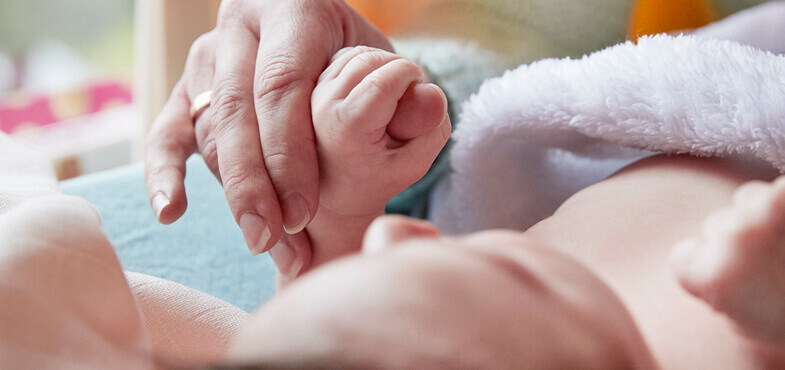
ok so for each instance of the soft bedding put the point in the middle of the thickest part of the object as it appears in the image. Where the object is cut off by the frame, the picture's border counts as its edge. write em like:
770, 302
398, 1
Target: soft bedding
65, 297
204, 250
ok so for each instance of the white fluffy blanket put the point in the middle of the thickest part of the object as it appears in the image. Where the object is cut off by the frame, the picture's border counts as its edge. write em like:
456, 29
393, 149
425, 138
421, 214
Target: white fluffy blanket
536, 135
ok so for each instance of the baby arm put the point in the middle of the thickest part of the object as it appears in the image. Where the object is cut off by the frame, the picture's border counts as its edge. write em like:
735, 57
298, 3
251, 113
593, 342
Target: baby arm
378, 128
736, 264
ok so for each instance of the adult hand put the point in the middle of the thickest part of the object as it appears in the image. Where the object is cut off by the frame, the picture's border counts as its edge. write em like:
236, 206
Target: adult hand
262, 62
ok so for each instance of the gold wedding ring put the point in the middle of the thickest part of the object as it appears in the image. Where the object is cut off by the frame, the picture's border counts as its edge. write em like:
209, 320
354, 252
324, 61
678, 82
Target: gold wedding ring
200, 103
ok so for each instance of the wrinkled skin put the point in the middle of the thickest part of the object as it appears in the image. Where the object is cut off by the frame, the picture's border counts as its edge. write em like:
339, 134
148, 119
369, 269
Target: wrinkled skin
262, 61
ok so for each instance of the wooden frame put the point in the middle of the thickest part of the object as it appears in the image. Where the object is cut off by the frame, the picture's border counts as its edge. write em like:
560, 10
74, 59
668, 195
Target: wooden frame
164, 32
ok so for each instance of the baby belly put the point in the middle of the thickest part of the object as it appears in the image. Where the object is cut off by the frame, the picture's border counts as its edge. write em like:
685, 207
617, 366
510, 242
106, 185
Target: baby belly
624, 229
682, 331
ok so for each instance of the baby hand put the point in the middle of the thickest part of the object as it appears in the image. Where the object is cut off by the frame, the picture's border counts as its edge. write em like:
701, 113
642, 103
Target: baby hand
378, 127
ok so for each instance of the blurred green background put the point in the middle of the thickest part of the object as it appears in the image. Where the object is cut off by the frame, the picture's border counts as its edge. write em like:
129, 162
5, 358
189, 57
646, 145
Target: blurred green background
101, 31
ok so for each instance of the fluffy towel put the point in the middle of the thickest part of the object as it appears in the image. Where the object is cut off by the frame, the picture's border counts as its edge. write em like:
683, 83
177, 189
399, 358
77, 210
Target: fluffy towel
533, 137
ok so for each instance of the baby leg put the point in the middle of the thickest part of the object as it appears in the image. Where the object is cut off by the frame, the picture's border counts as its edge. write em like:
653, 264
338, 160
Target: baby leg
737, 263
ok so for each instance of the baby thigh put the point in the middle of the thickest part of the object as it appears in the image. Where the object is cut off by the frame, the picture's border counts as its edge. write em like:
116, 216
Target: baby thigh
624, 228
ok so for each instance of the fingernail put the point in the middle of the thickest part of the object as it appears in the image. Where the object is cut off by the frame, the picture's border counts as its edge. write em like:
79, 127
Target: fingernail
294, 270
444, 99
160, 201
256, 233
286, 260
439, 90
297, 213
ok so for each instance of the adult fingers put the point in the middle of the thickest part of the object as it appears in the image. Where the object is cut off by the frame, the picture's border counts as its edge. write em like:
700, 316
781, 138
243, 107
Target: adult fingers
286, 132
171, 139
170, 142
200, 69
292, 257
249, 191
298, 45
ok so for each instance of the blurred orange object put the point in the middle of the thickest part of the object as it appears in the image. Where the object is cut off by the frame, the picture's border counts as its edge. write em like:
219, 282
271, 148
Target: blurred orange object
658, 16
389, 16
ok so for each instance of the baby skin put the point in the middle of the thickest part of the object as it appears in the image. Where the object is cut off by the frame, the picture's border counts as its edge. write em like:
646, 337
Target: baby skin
378, 126
737, 263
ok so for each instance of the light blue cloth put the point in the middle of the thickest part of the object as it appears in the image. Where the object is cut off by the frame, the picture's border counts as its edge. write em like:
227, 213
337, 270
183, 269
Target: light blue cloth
203, 250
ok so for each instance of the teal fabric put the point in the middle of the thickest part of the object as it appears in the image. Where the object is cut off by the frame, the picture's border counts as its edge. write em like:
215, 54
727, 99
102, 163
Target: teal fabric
204, 250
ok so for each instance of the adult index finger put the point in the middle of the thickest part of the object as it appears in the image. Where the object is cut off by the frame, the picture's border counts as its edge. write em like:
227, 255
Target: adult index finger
299, 42
170, 142
298, 38
248, 189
